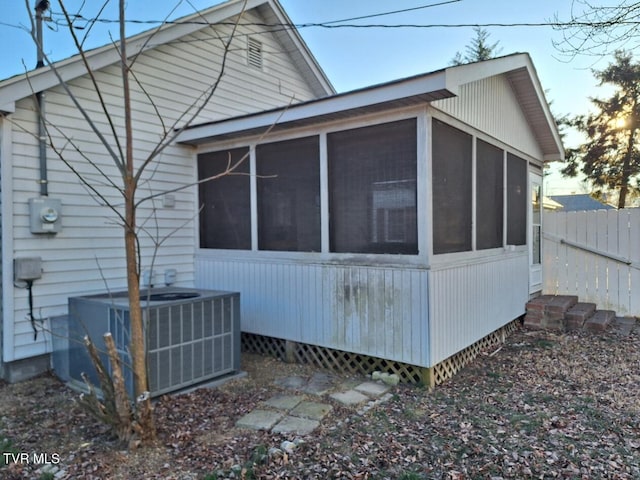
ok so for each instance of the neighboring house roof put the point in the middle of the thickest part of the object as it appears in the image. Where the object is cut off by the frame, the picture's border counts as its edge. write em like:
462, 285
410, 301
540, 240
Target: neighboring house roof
573, 203
439, 84
549, 204
23, 85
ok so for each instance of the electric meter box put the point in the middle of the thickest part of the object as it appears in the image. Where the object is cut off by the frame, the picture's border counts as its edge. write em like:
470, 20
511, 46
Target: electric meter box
45, 215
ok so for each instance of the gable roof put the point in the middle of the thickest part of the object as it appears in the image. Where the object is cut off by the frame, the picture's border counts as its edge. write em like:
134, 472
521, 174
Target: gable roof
579, 202
23, 85
439, 84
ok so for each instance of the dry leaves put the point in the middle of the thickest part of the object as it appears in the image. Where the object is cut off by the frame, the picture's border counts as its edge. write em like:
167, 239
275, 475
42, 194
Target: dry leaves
543, 406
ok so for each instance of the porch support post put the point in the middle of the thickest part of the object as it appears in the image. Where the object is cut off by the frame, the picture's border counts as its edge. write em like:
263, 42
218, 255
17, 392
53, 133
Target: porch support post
428, 377
290, 348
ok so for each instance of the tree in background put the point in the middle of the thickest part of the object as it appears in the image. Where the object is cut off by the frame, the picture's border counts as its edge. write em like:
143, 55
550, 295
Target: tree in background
610, 158
479, 49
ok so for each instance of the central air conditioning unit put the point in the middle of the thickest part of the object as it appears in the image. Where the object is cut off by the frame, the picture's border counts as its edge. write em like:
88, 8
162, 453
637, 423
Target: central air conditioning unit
191, 335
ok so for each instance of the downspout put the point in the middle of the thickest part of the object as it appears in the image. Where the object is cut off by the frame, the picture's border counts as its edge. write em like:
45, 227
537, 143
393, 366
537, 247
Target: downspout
41, 7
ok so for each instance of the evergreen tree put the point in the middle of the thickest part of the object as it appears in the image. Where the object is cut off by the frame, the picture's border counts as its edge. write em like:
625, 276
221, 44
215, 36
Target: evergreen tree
610, 158
479, 49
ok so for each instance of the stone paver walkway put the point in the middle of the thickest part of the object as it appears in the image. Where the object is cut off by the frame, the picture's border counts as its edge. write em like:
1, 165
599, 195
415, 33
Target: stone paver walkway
301, 412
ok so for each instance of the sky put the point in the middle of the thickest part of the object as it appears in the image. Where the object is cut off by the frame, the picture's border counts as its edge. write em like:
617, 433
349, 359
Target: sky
358, 57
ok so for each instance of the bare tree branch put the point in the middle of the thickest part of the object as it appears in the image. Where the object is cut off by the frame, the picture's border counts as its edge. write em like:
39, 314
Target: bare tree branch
597, 30
204, 100
147, 41
230, 168
135, 174
118, 159
82, 177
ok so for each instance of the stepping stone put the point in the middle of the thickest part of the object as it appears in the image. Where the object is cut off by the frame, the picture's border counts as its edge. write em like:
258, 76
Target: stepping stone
319, 384
350, 397
284, 402
373, 389
350, 383
291, 382
301, 426
311, 410
259, 420
624, 325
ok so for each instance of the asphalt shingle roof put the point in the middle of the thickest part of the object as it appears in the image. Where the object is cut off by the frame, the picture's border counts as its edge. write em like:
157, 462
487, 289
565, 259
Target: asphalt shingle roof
572, 203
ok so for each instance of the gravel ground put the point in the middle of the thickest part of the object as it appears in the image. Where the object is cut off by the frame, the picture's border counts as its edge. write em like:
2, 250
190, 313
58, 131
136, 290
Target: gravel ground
541, 406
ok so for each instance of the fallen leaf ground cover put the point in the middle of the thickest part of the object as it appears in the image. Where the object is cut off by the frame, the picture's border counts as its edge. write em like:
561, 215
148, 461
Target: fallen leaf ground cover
542, 406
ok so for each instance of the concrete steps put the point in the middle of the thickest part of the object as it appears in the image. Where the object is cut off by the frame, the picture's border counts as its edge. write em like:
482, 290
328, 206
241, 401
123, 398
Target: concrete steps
565, 313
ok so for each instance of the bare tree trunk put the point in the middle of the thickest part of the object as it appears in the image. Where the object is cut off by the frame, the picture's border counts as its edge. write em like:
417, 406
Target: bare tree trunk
122, 418
146, 425
113, 407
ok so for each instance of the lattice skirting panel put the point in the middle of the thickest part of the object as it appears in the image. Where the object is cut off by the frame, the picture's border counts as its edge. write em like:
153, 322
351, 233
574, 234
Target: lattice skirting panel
358, 364
446, 369
262, 345
353, 363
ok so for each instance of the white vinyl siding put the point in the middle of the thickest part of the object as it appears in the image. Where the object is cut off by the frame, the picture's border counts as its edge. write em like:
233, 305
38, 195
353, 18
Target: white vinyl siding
403, 313
195, 62
419, 309
470, 301
90, 245
397, 307
491, 106
380, 311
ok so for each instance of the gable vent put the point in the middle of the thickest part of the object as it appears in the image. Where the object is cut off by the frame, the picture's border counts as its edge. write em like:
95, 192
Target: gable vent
254, 53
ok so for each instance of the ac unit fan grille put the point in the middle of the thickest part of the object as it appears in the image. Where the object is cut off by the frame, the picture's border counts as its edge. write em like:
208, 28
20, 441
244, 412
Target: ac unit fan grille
188, 341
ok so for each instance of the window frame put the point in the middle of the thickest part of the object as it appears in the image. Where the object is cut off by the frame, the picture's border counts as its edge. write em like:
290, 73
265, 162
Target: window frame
467, 222
366, 197
262, 188
322, 130
425, 257
521, 207
475, 254
477, 198
246, 228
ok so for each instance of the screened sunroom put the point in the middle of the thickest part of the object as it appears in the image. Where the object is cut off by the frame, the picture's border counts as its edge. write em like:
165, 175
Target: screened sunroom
392, 223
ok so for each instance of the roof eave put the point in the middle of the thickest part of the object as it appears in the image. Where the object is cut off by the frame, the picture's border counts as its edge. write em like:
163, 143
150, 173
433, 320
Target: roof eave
525, 82
315, 74
553, 157
420, 89
8, 108
23, 85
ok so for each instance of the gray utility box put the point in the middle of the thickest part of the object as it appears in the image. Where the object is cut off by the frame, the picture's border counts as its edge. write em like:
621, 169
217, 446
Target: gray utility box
192, 336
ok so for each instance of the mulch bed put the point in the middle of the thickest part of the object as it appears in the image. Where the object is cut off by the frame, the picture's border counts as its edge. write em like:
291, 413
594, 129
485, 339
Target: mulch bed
542, 406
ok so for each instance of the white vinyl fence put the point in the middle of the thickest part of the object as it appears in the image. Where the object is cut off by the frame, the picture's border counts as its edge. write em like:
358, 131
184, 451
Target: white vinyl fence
595, 255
